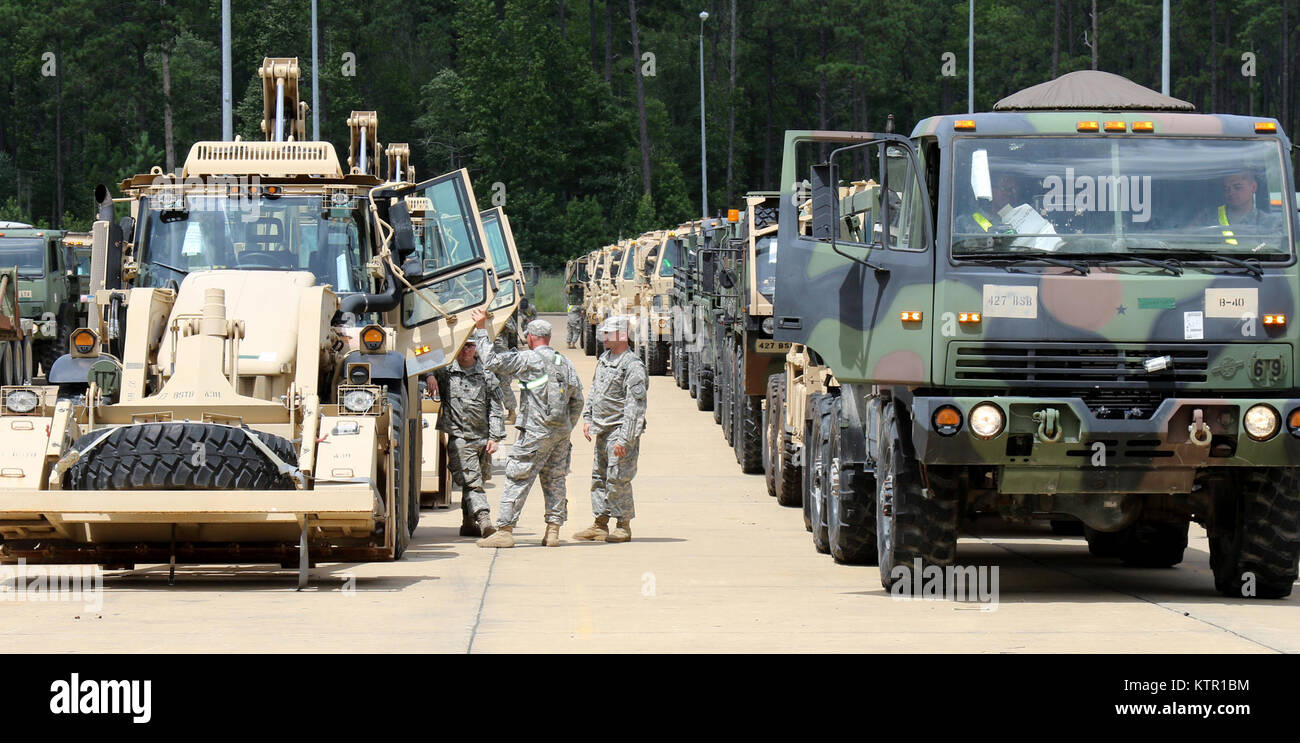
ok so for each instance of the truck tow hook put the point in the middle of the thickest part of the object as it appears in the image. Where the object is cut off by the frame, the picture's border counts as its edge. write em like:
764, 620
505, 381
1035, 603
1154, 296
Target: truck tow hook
1199, 431
1049, 425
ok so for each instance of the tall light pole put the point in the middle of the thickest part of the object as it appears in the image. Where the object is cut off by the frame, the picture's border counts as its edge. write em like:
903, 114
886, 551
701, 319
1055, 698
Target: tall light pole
704, 153
315, 80
970, 61
1164, 48
227, 123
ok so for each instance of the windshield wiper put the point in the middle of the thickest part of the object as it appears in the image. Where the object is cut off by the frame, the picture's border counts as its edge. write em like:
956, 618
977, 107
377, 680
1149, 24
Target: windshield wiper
171, 268
1009, 261
1169, 264
1250, 264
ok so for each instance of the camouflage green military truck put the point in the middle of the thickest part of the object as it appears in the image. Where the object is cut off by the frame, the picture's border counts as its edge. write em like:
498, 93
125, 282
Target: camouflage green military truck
1054, 310
47, 286
697, 304
748, 355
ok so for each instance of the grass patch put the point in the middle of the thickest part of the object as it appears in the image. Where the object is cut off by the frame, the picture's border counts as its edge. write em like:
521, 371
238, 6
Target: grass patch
549, 294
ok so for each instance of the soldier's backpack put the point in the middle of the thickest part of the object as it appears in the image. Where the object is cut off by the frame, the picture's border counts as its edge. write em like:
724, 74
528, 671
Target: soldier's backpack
551, 392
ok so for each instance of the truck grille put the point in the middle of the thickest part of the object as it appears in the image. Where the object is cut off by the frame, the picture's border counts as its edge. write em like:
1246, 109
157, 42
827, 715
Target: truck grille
1075, 365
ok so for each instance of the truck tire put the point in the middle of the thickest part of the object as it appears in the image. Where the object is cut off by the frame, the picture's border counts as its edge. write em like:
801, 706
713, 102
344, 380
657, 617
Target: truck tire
704, 388
819, 478
678, 362
656, 357
1154, 544
1105, 543
726, 378
789, 483
403, 528
407, 443
909, 527
1255, 534
850, 506
773, 419
164, 456
749, 425
808, 470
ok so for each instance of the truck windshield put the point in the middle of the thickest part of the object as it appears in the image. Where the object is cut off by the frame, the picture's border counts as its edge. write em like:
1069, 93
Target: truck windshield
672, 257
25, 253
1088, 195
290, 233
496, 238
765, 265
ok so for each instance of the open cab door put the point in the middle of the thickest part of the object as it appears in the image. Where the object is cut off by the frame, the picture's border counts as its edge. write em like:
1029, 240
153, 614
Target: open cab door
505, 259
442, 246
856, 270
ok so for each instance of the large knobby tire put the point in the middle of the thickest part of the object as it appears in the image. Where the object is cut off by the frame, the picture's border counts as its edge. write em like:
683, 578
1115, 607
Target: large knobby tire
749, 430
1255, 534
773, 419
911, 528
850, 505
401, 518
809, 466
656, 357
819, 479
179, 456
704, 389
726, 377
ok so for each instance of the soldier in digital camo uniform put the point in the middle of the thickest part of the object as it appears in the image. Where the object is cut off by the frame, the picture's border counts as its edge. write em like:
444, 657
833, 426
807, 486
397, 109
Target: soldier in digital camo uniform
615, 414
550, 405
472, 419
575, 325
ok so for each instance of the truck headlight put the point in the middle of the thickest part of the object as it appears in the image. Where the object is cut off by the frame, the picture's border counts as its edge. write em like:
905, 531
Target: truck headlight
769, 325
359, 401
1261, 422
986, 420
21, 401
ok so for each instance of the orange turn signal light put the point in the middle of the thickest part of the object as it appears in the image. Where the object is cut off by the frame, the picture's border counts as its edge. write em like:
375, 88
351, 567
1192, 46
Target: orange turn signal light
733, 215
1293, 420
1276, 320
947, 420
84, 340
372, 338
1144, 126
421, 350
964, 125
969, 317
1116, 126
1265, 127
909, 316
1088, 126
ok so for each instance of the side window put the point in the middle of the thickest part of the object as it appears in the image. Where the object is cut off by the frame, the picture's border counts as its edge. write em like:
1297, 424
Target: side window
453, 295
877, 197
447, 234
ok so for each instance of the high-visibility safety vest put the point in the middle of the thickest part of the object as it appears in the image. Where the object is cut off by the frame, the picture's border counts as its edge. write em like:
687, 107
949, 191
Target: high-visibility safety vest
982, 221
1223, 220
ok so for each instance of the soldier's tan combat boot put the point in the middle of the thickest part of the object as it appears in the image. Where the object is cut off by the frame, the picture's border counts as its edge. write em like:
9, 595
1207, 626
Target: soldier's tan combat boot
552, 538
503, 537
596, 532
485, 525
622, 532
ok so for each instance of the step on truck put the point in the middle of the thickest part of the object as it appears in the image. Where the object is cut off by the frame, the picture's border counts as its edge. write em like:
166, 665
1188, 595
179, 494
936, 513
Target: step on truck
244, 388
1076, 306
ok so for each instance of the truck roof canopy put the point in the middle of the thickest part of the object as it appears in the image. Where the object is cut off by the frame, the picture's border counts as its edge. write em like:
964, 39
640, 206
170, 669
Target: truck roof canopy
1090, 90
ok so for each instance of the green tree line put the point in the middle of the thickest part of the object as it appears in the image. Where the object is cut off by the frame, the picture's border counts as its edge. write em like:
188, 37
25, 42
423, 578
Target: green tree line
583, 115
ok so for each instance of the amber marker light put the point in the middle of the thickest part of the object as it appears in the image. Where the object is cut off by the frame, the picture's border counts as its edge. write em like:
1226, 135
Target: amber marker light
84, 340
909, 316
1116, 126
964, 125
969, 317
947, 420
372, 338
1088, 126
1275, 320
733, 215
1265, 127
1144, 126
1293, 422
421, 350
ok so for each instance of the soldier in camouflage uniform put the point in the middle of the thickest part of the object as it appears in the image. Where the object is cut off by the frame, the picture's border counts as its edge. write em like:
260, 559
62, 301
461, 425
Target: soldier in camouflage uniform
615, 414
550, 407
575, 325
472, 419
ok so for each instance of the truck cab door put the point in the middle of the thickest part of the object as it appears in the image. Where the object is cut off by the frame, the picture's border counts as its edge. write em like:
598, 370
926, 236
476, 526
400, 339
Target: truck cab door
856, 268
505, 259
450, 271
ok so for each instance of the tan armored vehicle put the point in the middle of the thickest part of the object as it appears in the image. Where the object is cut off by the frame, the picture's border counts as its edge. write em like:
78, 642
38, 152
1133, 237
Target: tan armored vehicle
663, 252
603, 296
244, 389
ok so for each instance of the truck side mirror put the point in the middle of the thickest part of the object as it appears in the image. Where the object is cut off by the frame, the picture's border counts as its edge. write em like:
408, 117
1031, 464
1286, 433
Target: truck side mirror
825, 201
399, 218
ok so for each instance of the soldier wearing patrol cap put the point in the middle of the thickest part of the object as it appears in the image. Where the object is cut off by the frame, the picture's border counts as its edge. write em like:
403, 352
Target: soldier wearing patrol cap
615, 415
472, 418
551, 402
